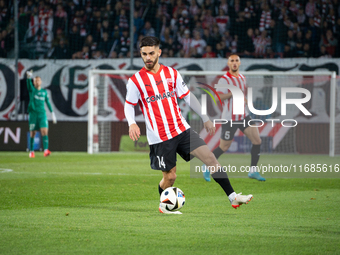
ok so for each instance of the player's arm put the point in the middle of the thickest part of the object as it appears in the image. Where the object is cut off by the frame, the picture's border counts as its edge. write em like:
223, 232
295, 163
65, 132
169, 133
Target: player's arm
184, 93
223, 92
29, 80
132, 97
224, 96
194, 104
49, 106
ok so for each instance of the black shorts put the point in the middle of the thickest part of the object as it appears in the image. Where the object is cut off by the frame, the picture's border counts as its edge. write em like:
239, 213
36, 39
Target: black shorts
163, 155
229, 131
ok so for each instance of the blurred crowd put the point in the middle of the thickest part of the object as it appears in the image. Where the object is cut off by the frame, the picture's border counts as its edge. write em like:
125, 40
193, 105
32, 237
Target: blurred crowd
88, 29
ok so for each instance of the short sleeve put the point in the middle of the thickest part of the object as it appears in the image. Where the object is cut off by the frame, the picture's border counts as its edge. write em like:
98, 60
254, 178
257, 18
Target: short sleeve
181, 87
132, 94
220, 88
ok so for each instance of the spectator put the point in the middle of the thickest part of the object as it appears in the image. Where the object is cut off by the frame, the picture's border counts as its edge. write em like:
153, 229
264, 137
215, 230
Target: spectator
220, 50
301, 18
227, 40
234, 45
148, 30
61, 51
291, 40
106, 28
306, 51
108, 14
207, 19
198, 28
261, 43
138, 22
186, 42
293, 8
124, 44
122, 20
310, 9
184, 20
194, 8
165, 35
151, 11
105, 45
97, 34
4, 14
197, 46
209, 53
222, 21
76, 41
60, 18
207, 37
241, 30
324, 53
265, 17
223, 5
3, 52
83, 54
248, 49
288, 53
249, 14
330, 42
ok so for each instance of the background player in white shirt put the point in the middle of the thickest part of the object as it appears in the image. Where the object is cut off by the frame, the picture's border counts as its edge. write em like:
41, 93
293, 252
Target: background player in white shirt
233, 77
156, 88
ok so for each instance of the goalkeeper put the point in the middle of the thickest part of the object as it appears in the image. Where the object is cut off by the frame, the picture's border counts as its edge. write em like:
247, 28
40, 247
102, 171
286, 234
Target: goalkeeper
37, 118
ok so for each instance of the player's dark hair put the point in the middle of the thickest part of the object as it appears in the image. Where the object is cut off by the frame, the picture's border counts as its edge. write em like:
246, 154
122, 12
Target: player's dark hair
149, 41
233, 54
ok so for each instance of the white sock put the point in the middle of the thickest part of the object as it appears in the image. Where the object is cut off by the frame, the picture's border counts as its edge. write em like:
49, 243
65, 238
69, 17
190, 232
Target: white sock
252, 169
232, 197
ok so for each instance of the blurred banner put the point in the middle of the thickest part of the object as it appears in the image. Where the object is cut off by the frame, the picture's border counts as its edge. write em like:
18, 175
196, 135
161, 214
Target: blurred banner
64, 136
67, 82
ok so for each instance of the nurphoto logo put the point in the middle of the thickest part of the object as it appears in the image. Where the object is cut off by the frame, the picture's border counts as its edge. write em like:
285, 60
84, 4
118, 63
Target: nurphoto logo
238, 104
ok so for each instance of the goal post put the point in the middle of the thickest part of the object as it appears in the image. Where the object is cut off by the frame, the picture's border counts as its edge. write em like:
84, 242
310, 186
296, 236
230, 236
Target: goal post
318, 133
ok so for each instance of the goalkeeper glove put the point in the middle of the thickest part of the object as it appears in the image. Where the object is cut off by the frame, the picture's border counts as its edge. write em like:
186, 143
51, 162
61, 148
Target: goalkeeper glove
54, 118
29, 74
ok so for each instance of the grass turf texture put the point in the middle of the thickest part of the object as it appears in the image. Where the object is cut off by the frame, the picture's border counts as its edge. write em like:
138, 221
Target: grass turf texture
74, 203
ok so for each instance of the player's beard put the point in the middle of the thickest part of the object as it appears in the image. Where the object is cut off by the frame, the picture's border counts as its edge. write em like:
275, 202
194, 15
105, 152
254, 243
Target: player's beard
234, 69
151, 64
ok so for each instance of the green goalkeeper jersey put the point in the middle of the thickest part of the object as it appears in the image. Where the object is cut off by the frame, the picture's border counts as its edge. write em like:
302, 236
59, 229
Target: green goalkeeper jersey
37, 99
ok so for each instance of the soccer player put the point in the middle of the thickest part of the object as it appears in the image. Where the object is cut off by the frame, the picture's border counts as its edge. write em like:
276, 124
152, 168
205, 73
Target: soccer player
233, 77
156, 88
37, 118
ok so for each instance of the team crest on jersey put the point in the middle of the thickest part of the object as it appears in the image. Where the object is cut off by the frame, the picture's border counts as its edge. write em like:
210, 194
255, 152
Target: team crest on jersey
170, 83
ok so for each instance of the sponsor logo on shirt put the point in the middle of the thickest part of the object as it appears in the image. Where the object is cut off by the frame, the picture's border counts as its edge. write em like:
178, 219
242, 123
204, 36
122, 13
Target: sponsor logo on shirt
160, 96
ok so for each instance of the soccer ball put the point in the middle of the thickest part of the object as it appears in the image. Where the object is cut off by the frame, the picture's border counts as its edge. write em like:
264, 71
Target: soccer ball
172, 199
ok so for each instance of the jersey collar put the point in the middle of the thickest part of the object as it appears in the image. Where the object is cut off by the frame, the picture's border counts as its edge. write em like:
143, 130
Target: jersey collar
159, 70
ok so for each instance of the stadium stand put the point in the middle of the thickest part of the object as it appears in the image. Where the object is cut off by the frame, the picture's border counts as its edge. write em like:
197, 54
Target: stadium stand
87, 29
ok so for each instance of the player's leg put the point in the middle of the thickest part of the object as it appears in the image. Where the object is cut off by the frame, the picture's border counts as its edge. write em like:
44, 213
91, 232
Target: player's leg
253, 134
163, 157
227, 136
32, 124
191, 145
32, 135
169, 178
44, 133
207, 157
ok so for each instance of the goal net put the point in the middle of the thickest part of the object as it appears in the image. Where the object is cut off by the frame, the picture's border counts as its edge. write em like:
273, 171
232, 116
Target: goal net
278, 102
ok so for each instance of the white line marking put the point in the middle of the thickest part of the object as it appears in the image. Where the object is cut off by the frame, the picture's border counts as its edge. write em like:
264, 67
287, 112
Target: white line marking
3, 170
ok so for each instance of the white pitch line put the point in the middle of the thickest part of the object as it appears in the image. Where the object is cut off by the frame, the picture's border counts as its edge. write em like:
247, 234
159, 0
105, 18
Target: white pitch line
3, 170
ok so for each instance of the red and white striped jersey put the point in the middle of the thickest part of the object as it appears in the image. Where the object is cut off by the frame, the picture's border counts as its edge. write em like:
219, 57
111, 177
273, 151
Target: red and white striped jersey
157, 97
239, 82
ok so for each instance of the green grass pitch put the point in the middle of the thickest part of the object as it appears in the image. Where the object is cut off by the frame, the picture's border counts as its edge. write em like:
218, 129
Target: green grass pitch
74, 203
